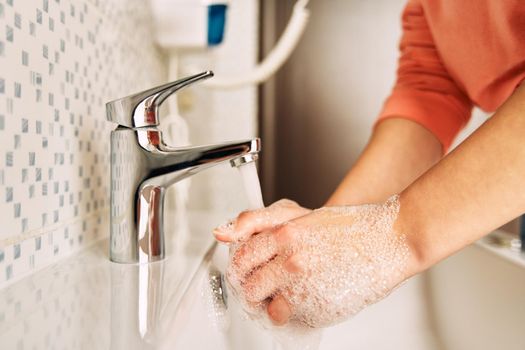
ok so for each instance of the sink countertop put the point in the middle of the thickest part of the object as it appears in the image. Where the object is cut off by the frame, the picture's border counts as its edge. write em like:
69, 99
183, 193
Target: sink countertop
88, 302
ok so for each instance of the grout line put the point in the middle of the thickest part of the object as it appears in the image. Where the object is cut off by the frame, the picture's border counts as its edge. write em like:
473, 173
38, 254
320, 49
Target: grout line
18, 277
43, 230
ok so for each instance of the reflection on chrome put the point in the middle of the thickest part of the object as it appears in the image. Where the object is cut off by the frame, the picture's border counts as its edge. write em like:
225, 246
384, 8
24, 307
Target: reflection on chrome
143, 166
136, 301
146, 298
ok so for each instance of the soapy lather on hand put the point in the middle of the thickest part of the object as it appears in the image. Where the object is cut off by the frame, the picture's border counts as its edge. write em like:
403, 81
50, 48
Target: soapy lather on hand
314, 267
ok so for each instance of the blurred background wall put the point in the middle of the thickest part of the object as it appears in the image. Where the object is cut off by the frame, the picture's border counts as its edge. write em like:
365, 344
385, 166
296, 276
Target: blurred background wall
328, 94
319, 110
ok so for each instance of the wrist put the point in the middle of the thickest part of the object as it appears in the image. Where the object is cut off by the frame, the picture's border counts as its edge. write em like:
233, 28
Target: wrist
411, 225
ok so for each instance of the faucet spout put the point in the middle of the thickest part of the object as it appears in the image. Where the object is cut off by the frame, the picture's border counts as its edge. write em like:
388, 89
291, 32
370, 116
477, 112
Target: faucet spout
176, 163
142, 167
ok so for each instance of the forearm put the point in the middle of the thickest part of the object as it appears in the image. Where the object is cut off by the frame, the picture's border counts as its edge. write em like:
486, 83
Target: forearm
398, 153
472, 191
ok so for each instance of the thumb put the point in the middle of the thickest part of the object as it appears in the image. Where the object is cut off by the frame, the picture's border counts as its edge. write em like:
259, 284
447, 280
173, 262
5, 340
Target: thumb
252, 222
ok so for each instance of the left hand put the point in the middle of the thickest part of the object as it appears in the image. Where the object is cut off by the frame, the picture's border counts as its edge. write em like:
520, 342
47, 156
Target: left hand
251, 222
322, 267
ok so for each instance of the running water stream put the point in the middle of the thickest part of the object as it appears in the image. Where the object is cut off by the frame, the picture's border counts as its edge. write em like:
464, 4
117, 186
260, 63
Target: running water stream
291, 337
252, 186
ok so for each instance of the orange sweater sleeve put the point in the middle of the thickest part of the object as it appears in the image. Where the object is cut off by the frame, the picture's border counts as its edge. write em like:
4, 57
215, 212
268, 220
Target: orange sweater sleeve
424, 91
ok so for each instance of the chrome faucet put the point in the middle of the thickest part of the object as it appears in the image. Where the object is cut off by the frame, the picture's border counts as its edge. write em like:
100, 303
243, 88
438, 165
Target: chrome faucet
143, 166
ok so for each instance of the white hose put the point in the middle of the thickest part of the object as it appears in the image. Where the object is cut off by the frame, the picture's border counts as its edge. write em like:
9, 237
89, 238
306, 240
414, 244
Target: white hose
275, 59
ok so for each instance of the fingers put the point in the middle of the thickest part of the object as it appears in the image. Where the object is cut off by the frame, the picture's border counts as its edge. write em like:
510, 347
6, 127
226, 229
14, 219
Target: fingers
262, 248
249, 223
264, 282
294, 264
279, 311
251, 254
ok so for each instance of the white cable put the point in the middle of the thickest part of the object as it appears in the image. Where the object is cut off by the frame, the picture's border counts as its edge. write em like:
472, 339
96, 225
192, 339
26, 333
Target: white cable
275, 59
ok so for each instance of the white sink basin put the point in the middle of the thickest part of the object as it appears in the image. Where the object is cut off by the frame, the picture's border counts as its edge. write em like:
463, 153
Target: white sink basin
87, 302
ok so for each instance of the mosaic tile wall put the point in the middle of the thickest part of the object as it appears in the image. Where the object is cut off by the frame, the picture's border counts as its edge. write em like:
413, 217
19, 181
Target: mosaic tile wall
52, 309
60, 61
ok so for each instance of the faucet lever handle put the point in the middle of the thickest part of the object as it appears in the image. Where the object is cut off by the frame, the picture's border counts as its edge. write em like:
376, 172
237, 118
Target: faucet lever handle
141, 109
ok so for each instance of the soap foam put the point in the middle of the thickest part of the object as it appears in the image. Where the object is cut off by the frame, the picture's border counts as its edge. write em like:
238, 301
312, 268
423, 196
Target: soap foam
350, 258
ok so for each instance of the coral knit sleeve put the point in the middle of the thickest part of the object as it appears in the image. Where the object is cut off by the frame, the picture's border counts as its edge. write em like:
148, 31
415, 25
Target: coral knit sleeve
424, 91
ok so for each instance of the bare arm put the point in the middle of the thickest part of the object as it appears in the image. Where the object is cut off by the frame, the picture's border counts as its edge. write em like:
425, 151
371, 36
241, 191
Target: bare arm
399, 151
472, 191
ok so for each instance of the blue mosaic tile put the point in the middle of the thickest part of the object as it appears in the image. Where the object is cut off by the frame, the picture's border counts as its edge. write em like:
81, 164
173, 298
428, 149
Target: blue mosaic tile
38, 16
9, 194
18, 90
9, 159
9, 35
25, 58
8, 272
16, 251
36, 78
25, 125
18, 21
17, 210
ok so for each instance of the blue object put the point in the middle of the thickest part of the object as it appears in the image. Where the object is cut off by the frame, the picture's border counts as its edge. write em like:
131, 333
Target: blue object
216, 23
